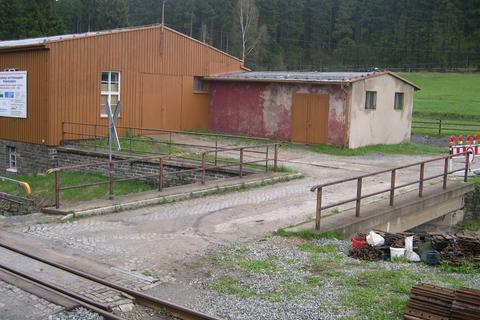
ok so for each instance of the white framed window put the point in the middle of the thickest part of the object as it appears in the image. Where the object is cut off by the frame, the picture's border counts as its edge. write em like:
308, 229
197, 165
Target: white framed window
110, 88
398, 104
12, 159
371, 100
199, 84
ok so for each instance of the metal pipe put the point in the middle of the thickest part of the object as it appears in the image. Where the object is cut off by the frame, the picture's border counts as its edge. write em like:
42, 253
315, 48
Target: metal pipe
203, 168
318, 214
160, 176
57, 189
110, 180
359, 197
445, 173
241, 163
422, 174
392, 187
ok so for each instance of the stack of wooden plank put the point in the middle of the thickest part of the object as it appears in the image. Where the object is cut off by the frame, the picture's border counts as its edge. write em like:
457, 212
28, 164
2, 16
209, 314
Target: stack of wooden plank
437, 303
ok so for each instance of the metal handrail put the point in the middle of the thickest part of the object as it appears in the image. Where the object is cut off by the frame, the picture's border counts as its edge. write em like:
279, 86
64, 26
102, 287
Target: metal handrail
21, 184
393, 186
201, 157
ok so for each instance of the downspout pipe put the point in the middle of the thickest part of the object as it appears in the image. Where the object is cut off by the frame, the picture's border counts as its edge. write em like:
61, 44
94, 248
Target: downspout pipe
346, 108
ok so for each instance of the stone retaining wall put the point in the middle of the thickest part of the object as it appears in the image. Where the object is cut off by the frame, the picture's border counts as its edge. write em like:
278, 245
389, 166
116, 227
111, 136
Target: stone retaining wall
31, 158
472, 204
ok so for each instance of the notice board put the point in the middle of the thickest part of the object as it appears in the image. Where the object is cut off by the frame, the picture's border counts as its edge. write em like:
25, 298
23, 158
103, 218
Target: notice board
13, 94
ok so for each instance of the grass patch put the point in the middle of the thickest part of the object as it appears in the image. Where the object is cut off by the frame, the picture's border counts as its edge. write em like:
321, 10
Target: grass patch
43, 186
309, 234
239, 260
230, 285
379, 294
471, 225
139, 144
312, 248
405, 148
464, 268
446, 95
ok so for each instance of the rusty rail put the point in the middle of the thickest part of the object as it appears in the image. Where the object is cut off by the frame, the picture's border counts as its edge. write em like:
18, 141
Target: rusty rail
391, 190
201, 163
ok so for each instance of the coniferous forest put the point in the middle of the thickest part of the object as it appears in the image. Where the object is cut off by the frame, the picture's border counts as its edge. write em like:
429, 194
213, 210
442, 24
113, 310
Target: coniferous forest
281, 34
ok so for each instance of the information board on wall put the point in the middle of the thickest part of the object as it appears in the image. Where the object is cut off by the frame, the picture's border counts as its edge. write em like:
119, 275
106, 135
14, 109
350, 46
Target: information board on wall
13, 94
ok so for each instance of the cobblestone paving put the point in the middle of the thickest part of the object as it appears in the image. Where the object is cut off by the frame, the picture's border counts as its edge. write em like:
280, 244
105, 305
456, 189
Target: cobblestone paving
18, 304
156, 239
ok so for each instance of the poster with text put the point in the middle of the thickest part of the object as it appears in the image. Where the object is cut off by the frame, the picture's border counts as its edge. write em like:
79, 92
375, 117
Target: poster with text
13, 94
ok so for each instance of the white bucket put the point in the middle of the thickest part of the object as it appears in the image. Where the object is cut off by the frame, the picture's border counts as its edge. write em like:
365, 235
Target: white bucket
397, 253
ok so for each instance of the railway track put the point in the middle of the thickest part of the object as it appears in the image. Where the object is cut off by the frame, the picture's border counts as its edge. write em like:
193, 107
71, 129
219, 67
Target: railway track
69, 298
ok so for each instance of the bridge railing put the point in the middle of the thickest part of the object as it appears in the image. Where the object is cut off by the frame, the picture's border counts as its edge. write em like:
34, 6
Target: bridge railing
393, 185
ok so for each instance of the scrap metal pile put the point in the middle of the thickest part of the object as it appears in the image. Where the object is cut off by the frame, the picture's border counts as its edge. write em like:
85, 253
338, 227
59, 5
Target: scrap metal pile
434, 247
437, 303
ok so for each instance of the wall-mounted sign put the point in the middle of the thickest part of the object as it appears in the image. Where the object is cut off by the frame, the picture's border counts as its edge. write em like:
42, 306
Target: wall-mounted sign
13, 94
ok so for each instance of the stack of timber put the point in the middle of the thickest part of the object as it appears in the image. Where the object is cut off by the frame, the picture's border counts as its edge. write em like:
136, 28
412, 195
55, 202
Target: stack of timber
436, 303
457, 249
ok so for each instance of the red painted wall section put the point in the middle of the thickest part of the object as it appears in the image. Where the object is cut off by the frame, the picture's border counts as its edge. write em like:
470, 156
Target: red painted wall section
265, 110
237, 108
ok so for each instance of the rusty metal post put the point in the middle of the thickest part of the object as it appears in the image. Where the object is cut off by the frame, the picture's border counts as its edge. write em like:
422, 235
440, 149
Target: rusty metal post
216, 149
359, 196
467, 166
203, 167
422, 174
241, 163
160, 176
57, 189
266, 159
170, 144
63, 131
392, 187
445, 173
318, 214
110, 180
275, 157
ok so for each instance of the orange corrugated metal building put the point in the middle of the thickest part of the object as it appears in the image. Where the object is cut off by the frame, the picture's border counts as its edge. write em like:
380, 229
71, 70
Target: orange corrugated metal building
152, 70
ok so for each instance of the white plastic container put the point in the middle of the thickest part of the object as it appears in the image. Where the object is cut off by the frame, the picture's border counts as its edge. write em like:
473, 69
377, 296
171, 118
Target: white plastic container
397, 253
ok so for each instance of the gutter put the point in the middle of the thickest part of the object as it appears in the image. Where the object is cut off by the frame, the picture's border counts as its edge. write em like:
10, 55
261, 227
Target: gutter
346, 108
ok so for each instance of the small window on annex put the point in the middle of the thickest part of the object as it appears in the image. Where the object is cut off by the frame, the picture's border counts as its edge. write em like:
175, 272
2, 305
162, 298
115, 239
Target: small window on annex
12, 159
371, 100
398, 104
199, 84
110, 91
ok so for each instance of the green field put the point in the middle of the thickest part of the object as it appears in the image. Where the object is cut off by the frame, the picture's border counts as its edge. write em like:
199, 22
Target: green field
444, 95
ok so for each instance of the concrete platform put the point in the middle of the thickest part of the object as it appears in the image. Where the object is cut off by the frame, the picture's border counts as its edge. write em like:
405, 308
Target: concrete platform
408, 212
